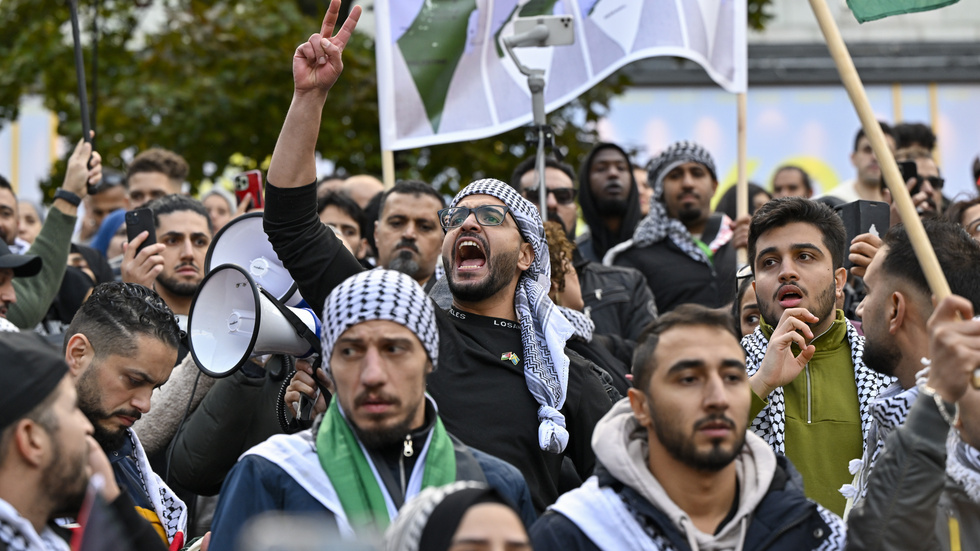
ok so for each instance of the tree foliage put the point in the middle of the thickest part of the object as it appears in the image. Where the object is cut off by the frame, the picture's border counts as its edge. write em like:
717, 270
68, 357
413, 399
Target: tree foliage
214, 81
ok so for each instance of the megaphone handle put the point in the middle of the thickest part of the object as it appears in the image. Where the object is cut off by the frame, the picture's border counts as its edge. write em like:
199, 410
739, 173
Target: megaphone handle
306, 405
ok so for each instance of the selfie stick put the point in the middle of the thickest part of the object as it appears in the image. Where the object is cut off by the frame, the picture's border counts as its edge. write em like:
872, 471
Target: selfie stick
893, 178
538, 36
80, 74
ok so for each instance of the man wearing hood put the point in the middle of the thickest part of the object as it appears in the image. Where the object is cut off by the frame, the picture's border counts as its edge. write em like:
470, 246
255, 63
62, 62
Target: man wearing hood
677, 467
507, 385
683, 248
610, 200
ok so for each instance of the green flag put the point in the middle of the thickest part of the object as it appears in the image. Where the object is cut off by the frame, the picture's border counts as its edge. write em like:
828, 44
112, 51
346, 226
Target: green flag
869, 10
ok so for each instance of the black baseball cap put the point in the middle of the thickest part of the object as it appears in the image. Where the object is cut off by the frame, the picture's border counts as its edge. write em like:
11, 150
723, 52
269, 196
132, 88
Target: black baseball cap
23, 265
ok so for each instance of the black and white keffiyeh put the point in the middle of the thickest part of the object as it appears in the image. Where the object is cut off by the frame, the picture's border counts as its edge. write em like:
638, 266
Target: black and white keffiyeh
581, 322
171, 511
544, 330
657, 225
380, 294
888, 411
963, 465
18, 534
770, 424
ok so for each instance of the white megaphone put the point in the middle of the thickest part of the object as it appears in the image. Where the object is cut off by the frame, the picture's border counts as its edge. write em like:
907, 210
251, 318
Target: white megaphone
243, 242
233, 319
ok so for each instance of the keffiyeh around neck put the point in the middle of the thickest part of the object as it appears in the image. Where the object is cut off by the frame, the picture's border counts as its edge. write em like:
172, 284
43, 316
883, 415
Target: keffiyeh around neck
380, 294
544, 330
657, 225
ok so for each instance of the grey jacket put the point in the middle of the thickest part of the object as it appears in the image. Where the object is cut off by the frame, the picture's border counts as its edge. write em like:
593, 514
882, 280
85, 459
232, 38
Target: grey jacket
911, 503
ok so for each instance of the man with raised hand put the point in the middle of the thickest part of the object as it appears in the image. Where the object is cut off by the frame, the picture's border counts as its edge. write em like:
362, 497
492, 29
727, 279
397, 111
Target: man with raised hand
677, 467
381, 441
507, 387
812, 392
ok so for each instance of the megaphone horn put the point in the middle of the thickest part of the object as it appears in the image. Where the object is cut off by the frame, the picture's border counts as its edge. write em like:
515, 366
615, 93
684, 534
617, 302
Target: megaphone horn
233, 319
243, 242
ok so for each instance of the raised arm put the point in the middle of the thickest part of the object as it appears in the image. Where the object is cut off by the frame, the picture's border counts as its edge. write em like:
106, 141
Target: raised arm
317, 64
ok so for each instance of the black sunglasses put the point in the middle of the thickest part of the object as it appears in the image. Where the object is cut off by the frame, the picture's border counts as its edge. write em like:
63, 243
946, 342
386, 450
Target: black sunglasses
486, 215
563, 195
935, 181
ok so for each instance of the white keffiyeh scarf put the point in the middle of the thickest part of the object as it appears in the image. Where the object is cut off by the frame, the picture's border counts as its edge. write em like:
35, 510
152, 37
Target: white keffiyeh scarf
963, 465
544, 330
770, 424
18, 534
168, 507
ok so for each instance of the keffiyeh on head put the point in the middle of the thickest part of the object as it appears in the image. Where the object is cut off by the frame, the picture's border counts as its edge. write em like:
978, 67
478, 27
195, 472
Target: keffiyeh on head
544, 330
657, 225
380, 295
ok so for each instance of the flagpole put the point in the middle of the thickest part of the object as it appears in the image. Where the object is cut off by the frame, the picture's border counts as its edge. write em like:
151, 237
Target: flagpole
742, 185
893, 179
388, 168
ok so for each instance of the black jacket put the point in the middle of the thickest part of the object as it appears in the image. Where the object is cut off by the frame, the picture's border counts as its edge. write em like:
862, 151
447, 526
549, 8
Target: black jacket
676, 278
617, 298
785, 519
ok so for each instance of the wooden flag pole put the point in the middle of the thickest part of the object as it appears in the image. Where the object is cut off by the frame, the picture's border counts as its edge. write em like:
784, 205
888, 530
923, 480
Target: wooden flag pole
893, 178
388, 168
742, 189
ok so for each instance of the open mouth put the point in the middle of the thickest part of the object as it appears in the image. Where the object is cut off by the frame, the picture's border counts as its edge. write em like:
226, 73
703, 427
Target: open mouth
470, 254
789, 296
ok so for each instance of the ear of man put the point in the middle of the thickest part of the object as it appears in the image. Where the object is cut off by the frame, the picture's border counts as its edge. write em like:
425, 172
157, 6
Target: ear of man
78, 354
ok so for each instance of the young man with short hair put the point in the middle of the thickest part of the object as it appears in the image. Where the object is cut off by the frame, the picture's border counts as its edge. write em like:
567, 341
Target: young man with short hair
812, 393
678, 469
153, 174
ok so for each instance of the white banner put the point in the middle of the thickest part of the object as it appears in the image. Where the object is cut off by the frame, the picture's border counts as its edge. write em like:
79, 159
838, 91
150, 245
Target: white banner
443, 75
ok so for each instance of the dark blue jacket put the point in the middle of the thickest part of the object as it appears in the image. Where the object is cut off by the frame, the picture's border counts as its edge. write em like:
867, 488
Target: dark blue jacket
785, 519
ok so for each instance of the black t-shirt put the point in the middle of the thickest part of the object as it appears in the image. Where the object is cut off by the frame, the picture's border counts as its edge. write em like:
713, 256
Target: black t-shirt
480, 392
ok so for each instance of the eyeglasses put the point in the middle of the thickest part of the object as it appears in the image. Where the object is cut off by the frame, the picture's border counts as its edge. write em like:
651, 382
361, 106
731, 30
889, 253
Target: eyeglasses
743, 273
563, 195
486, 215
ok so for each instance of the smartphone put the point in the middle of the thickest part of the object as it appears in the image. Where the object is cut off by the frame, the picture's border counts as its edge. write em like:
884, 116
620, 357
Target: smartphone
249, 183
863, 217
137, 221
909, 170
561, 29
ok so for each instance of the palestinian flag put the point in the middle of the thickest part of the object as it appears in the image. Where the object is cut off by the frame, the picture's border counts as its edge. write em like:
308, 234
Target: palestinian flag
870, 10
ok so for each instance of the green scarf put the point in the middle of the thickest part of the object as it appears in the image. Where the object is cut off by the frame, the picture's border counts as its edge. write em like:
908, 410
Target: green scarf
347, 468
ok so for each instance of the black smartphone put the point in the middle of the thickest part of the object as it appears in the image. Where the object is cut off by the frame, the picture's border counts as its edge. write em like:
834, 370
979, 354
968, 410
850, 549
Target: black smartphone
863, 217
137, 221
910, 170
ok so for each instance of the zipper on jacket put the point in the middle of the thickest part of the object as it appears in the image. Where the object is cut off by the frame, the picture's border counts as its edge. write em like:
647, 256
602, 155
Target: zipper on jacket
407, 451
809, 409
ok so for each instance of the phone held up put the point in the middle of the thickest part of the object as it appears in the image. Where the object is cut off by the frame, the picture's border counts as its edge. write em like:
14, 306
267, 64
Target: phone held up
137, 221
249, 182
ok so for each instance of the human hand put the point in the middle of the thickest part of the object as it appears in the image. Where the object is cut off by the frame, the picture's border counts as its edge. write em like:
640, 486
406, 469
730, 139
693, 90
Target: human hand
922, 201
740, 228
954, 346
317, 62
143, 267
302, 384
862, 252
779, 366
81, 171
99, 464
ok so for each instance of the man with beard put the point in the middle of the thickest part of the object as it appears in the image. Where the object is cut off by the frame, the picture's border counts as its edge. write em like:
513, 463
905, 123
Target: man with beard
121, 345
678, 470
506, 387
381, 441
174, 265
867, 185
894, 314
683, 249
610, 202
407, 233
925, 489
47, 453
812, 393
617, 299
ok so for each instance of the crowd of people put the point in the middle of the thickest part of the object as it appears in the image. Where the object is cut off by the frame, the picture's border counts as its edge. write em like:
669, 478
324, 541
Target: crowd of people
601, 375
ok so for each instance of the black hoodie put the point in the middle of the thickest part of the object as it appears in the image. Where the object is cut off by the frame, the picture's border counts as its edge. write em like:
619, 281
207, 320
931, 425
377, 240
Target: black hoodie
600, 239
